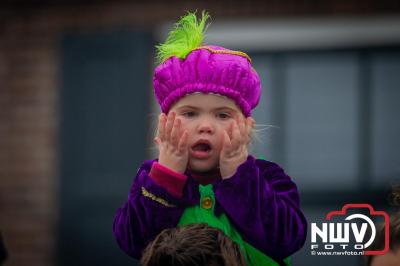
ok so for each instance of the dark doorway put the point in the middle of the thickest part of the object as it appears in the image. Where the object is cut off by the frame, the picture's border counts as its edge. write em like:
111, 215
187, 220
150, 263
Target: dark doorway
105, 101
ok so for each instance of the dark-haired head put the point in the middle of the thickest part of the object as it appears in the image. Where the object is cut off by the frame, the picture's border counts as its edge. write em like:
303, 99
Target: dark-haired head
194, 245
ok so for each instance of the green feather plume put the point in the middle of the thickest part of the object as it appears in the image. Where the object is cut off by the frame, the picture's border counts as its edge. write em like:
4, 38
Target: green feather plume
187, 35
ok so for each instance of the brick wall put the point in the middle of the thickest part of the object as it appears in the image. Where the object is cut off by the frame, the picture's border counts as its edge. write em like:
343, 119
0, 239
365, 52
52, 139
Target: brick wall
28, 143
29, 99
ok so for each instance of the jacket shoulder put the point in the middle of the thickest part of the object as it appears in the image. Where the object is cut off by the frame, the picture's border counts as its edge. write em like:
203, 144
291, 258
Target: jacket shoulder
267, 165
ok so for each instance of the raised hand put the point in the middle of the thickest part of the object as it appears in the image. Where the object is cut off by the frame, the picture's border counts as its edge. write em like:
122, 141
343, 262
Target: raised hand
234, 149
172, 146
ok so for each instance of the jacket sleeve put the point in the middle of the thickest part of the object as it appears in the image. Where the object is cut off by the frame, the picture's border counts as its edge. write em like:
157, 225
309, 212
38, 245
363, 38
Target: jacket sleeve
263, 204
150, 208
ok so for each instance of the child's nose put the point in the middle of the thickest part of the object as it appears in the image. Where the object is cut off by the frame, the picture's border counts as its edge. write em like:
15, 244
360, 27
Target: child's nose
205, 126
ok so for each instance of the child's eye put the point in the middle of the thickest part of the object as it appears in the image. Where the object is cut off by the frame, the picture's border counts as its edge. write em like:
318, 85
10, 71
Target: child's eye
189, 114
223, 115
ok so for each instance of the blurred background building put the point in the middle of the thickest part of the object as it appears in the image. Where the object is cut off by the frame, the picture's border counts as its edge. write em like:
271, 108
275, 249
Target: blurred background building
77, 110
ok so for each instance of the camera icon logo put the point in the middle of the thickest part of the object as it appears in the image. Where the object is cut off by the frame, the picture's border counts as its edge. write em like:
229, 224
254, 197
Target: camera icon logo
348, 235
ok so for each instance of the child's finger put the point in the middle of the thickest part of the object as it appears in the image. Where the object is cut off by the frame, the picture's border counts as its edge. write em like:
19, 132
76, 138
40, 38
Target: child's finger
157, 140
174, 138
161, 125
242, 126
236, 137
183, 141
253, 122
226, 144
230, 129
169, 124
249, 128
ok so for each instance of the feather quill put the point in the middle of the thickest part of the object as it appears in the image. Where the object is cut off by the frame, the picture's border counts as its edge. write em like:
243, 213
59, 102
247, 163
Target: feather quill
188, 34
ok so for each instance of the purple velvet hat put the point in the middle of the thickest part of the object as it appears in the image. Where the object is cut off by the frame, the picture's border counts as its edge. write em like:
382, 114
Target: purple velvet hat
208, 69
188, 67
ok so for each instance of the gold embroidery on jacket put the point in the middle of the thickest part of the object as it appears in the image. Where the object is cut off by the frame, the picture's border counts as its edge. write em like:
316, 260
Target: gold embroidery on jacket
155, 198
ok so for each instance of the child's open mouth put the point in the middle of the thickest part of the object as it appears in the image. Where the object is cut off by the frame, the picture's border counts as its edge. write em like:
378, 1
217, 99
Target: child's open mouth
201, 149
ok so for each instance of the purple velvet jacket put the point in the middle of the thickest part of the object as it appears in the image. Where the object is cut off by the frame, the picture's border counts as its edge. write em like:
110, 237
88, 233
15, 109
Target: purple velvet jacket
260, 200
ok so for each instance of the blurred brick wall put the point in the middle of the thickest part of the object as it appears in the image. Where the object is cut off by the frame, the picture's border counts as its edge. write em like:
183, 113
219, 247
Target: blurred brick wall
29, 98
28, 142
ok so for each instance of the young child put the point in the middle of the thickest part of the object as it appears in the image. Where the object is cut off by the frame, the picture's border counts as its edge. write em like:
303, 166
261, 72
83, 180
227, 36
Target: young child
192, 245
204, 173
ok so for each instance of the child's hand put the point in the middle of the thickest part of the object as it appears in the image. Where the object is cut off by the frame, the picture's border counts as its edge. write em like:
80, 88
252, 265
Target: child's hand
234, 149
172, 146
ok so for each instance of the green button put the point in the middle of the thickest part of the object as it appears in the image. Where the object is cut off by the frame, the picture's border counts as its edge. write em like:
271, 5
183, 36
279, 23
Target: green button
206, 203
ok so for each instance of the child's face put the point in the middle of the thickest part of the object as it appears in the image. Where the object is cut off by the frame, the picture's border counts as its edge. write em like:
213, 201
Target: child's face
205, 117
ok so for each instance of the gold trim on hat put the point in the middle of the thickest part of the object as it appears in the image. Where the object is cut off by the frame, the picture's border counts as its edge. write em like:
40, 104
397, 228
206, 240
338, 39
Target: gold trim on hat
223, 52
